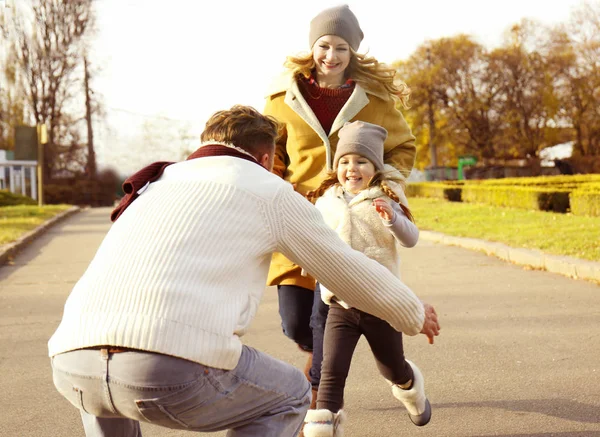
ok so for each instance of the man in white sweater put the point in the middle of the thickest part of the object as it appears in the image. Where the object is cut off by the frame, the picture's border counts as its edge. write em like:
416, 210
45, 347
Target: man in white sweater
151, 332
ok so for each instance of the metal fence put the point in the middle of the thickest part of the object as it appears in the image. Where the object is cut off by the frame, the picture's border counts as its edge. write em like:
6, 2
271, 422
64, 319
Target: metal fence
19, 177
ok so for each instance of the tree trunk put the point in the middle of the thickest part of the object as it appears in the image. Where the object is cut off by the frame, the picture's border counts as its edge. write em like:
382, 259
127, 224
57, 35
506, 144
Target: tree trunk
432, 132
91, 158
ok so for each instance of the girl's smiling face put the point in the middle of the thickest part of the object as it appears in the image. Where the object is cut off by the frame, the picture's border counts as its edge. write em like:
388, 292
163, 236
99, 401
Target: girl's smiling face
354, 172
332, 56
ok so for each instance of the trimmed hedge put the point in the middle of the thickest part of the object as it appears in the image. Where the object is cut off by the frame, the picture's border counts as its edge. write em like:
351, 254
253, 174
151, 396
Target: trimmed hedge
544, 193
101, 191
434, 189
11, 199
534, 198
574, 180
586, 200
80, 192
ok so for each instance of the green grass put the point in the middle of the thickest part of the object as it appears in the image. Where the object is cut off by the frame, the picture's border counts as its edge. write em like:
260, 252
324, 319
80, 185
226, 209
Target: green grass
558, 234
17, 220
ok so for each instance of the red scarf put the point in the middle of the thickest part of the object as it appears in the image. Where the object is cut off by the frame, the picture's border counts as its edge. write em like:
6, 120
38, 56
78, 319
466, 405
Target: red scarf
152, 172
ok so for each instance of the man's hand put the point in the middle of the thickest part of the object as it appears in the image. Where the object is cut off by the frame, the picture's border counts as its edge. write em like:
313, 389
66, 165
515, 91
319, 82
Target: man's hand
431, 327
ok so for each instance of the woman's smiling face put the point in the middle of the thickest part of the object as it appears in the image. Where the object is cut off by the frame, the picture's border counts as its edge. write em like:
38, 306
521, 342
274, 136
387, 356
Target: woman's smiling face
332, 56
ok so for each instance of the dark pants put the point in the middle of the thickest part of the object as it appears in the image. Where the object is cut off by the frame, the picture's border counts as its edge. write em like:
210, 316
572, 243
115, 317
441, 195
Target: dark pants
342, 332
318, 320
303, 315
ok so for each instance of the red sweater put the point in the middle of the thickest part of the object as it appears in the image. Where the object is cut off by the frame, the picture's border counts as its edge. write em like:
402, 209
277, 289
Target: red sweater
326, 103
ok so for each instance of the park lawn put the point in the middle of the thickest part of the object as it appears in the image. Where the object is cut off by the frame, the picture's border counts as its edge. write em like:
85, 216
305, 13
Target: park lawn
15, 221
553, 233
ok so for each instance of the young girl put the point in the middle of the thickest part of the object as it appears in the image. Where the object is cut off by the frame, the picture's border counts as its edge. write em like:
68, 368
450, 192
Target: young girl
366, 205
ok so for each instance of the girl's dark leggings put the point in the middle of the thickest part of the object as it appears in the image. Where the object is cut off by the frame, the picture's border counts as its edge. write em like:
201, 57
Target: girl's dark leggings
342, 332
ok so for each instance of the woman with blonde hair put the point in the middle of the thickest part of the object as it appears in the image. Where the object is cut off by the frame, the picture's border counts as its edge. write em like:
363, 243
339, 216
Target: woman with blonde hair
312, 100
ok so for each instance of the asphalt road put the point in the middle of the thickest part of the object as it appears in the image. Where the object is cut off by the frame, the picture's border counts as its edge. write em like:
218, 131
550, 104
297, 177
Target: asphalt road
519, 353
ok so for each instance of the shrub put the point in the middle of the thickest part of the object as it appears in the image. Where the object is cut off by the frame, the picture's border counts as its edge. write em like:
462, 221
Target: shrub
584, 164
573, 180
545, 193
77, 191
11, 199
438, 190
586, 200
535, 198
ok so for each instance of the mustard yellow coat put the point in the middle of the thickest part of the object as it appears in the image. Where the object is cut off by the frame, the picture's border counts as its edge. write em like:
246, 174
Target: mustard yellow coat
305, 152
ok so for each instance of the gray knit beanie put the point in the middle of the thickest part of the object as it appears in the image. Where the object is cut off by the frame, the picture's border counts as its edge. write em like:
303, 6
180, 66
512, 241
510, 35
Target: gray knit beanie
361, 138
339, 21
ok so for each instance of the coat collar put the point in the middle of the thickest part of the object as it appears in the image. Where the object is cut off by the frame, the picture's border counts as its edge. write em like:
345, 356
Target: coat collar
283, 82
287, 83
368, 194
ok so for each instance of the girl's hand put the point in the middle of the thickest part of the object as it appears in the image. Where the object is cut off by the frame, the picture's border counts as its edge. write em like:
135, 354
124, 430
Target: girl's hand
384, 209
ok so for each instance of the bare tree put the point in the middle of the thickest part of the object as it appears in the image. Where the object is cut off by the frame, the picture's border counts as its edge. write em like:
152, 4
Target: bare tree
91, 153
48, 44
12, 103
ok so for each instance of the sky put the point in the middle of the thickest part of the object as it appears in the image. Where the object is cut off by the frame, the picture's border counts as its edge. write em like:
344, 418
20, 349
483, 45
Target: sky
169, 65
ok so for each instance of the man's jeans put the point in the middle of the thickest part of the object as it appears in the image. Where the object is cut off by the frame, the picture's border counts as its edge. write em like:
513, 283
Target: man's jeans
262, 396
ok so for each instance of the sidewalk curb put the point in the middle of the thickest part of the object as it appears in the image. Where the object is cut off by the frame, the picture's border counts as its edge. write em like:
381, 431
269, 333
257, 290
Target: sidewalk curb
9, 250
568, 266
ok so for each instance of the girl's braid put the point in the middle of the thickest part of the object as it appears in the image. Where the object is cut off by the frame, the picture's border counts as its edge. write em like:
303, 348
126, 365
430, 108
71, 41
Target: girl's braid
330, 179
392, 195
389, 192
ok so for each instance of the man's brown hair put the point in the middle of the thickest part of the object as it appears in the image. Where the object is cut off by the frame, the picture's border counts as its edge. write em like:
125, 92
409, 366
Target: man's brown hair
244, 127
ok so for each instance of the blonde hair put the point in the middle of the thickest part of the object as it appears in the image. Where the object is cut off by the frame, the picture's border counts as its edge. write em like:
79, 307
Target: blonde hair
378, 179
364, 70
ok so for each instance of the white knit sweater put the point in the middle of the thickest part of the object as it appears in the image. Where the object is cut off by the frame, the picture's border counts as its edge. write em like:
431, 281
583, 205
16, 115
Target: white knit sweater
183, 269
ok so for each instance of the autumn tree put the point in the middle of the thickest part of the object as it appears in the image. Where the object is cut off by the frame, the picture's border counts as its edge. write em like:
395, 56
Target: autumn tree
472, 99
529, 104
574, 56
506, 103
421, 72
457, 95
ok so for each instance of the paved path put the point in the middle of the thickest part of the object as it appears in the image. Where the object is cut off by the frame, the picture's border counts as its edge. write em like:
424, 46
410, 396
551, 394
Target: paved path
519, 353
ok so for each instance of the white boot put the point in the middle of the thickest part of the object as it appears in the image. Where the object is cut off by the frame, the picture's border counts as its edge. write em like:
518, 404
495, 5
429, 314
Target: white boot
323, 423
414, 400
